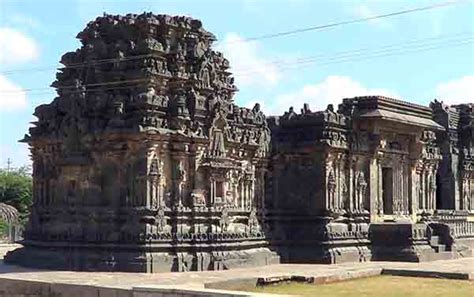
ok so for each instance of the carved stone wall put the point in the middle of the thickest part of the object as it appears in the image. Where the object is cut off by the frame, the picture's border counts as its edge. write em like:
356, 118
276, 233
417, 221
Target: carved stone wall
455, 174
143, 162
373, 160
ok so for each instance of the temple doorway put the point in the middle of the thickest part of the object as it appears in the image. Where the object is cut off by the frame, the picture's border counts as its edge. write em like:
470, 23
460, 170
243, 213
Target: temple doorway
387, 190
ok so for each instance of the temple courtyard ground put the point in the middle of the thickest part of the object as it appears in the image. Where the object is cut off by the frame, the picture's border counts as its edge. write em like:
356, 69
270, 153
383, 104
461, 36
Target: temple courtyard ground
449, 277
386, 286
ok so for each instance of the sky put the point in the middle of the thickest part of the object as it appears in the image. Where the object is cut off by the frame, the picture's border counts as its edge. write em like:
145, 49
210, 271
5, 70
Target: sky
415, 57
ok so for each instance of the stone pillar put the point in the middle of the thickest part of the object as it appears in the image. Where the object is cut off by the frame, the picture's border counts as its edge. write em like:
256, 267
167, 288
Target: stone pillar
212, 190
242, 193
373, 188
350, 185
414, 185
379, 197
432, 188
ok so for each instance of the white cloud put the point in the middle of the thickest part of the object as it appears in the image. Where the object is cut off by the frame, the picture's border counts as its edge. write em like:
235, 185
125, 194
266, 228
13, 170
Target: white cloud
456, 91
16, 47
248, 62
330, 91
12, 97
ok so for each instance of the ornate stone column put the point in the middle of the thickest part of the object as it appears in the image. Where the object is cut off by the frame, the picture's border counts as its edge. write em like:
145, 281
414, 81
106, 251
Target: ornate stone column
373, 188
351, 183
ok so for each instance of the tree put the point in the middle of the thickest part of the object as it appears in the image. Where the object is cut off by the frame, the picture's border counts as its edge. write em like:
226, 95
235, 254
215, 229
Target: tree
8, 216
16, 188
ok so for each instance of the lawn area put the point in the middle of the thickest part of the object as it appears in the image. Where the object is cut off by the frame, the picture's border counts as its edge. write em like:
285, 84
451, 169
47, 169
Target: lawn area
380, 286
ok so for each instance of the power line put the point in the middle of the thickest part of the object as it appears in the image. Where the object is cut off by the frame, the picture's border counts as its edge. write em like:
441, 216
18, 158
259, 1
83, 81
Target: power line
265, 36
87, 90
343, 56
353, 21
362, 57
305, 64
336, 60
86, 85
364, 50
79, 65
461, 43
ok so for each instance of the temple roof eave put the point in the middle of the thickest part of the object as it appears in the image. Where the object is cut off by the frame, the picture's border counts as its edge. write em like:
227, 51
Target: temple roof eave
401, 118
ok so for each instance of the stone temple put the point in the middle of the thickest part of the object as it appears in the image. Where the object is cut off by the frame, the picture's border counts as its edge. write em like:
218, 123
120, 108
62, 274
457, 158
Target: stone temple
144, 163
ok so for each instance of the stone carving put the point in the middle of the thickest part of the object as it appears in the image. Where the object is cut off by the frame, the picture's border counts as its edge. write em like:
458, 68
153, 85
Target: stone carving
180, 182
253, 224
224, 220
361, 186
331, 186
217, 144
157, 180
198, 197
160, 219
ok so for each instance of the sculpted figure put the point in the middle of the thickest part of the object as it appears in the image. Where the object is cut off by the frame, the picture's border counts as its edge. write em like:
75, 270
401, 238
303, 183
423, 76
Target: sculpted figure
198, 197
180, 182
217, 144
160, 219
205, 78
253, 222
181, 107
225, 220
361, 187
331, 184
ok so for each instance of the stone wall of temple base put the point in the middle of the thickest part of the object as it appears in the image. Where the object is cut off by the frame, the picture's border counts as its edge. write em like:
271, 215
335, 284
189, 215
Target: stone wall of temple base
315, 240
134, 259
456, 228
326, 253
464, 247
408, 243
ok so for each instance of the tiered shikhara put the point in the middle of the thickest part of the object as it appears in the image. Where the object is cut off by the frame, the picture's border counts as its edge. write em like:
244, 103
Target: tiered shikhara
143, 162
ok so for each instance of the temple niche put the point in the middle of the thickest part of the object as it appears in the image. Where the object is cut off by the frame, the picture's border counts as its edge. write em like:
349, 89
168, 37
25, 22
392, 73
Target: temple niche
143, 162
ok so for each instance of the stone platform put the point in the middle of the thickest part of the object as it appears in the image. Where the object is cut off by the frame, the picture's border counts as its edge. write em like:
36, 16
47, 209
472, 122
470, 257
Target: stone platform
42, 283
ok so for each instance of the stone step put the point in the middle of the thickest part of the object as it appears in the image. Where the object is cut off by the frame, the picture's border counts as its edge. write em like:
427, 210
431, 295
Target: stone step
434, 240
444, 256
439, 248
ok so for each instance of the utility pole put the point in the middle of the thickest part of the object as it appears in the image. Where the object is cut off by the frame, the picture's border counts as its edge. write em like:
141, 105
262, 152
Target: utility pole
9, 162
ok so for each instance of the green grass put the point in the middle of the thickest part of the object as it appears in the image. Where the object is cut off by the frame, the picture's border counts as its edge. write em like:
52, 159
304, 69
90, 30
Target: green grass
380, 286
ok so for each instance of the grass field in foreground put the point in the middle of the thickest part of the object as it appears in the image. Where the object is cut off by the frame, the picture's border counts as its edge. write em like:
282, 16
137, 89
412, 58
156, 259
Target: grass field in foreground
380, 286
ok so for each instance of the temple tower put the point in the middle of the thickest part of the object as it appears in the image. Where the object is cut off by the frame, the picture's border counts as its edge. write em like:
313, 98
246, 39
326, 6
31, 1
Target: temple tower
143, 162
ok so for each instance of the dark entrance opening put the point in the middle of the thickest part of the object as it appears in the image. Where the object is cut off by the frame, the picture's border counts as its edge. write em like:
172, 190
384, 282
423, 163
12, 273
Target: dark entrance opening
220, 189
387, 190
439, 193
